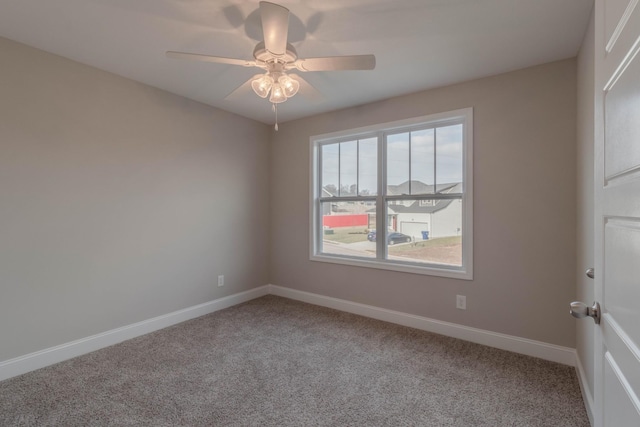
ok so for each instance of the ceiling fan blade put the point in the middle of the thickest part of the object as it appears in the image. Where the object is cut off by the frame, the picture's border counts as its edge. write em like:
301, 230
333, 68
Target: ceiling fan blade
307, 90
208, 58
334, 63
241, 90
275, 27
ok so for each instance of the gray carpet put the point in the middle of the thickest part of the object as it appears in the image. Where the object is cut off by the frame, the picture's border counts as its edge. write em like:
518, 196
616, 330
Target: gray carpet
278, 362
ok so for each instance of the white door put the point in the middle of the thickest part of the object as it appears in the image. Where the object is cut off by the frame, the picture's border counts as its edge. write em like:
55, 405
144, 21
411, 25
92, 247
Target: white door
617, 212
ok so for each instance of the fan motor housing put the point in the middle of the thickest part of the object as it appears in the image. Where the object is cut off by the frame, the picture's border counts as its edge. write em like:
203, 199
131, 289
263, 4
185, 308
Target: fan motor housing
260, 53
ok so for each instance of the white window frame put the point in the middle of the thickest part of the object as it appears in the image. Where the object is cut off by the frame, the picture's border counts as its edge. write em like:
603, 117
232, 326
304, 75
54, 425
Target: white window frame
464, 116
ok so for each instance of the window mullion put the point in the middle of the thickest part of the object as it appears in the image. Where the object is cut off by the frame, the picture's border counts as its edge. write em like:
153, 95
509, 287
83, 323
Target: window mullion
435, 164
410, 192
381, 210
318, 223
339, 169
439, 196
357, 167
348, 199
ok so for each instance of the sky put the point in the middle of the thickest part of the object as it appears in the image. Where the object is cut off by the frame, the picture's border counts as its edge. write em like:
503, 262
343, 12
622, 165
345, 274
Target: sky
410, 155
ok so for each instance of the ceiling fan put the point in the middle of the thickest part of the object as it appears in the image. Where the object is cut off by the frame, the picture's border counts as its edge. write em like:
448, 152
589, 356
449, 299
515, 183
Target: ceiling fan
277, 57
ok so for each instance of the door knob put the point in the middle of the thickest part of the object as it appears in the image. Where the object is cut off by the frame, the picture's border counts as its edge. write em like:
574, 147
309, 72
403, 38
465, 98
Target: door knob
589, 273
580, 310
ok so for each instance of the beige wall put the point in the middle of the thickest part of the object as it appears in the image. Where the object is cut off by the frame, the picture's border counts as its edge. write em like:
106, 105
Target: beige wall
121, 202
525, 207
118, 202
585, 192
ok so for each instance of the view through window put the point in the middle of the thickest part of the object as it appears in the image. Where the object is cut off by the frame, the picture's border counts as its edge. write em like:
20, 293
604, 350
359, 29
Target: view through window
411, 179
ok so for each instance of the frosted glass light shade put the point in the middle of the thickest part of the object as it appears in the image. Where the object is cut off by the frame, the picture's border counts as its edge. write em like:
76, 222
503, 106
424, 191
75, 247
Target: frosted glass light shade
262, 85
277, 94
289, 85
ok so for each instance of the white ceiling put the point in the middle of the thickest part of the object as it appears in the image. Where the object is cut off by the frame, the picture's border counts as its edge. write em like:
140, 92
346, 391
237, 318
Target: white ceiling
418, 44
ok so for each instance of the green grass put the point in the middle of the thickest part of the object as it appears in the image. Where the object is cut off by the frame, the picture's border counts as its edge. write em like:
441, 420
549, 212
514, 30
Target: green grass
347, 235
422, 244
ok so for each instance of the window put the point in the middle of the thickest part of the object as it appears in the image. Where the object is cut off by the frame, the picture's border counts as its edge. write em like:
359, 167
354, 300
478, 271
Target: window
411, 178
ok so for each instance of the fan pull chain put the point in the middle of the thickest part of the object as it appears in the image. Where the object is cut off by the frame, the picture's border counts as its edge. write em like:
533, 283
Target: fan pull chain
275, 109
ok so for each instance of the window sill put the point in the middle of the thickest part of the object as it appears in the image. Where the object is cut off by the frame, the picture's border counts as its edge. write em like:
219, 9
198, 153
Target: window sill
428, 270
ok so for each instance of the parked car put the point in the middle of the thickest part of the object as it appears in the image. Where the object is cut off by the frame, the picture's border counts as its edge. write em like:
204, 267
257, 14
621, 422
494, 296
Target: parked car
393, 237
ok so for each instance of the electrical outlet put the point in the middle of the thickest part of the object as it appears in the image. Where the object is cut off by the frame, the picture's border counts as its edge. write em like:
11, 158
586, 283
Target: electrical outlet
461, 302
221, 280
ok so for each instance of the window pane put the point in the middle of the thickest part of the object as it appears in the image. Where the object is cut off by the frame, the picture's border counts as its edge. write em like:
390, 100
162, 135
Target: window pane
348, 168
425, 231
346, 228
329, 175
368, 170
398, 164
448, 155
422, 162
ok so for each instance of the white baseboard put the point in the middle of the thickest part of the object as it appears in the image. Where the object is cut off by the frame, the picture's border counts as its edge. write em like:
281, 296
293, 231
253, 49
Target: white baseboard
40, 359
587, 395
49, 356
542, 350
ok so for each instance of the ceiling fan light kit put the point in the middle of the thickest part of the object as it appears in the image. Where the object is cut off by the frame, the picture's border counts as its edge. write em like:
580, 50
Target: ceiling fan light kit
276, 81
277, 57
262, 85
